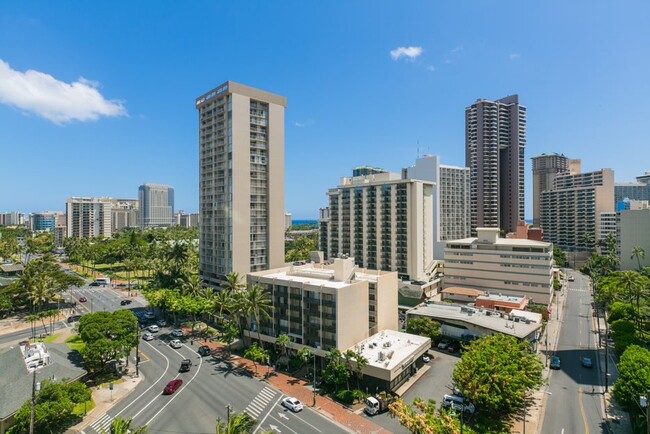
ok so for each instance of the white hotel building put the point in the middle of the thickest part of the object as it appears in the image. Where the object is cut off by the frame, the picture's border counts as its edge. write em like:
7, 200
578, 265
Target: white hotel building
508, 266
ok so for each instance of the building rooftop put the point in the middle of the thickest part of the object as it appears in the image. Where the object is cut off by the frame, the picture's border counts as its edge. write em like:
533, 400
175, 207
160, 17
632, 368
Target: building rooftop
12, 268
16, 381
502, 298
389, 348
457, 290
485, 318
515, 242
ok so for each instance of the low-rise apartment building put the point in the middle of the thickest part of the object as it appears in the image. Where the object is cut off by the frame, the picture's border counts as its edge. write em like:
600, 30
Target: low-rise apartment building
509, 266
329, 305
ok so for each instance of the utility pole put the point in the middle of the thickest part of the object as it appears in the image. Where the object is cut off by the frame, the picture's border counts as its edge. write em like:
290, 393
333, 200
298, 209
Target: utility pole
31, 419
137, 351
606, 352
228, 409
314, 385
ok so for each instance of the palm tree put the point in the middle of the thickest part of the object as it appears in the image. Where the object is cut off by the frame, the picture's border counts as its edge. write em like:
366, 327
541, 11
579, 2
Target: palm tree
361, 362
282, 342
223, 300
638, 252
258, 304
190, 285
123, 426
237, 423
632, 286
233, 282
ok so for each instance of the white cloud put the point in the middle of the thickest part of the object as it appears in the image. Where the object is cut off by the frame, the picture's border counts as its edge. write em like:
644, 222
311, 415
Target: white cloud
54, 100
305, 124
515, 56
431, 68
411, 53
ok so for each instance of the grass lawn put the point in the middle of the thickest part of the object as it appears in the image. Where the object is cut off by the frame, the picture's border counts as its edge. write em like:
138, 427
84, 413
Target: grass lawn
136, 274
83, 408
75, 343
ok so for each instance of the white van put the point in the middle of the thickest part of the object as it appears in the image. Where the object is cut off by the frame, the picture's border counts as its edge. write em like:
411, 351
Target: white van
103, 281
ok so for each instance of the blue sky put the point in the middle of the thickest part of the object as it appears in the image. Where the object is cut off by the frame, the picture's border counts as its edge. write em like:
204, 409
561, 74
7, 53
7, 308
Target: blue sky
109, 101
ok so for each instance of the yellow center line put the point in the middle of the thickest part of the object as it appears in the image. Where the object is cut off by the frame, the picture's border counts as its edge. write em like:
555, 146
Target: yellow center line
582, 411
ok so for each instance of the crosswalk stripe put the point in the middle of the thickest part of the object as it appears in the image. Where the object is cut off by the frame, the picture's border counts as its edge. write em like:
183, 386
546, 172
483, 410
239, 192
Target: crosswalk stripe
252, 411
267, 393
256, 405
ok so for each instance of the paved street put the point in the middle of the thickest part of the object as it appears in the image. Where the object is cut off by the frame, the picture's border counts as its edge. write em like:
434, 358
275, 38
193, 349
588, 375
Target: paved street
207, 389
574, 401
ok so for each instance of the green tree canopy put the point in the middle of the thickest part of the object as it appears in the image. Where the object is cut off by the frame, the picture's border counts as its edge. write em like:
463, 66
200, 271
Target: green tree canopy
424, 327
499, 375
422, 418
108, 336
634, 378
239, 423
53, 410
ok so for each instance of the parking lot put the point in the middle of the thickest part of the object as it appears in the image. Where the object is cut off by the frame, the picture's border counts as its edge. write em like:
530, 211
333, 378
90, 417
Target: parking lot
432, 385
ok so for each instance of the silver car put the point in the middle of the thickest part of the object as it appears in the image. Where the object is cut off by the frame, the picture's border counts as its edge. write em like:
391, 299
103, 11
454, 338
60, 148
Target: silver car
153, 328
176, 344
147, 336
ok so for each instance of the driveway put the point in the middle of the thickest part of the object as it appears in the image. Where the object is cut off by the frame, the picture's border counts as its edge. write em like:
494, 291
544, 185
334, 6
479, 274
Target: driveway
432, 385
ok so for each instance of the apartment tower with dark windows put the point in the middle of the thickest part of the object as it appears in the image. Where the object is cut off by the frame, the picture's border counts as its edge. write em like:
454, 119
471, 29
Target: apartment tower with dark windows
495, 138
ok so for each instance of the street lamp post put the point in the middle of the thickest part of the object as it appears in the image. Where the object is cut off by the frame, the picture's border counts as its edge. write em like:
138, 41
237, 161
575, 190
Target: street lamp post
314, 385
35, 388
137, 351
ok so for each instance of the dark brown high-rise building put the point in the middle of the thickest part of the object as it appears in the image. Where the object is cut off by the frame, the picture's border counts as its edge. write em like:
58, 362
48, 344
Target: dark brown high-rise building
495, 138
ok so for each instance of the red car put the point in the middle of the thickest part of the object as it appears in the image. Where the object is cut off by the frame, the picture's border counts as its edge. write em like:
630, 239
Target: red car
83, 299
172, 386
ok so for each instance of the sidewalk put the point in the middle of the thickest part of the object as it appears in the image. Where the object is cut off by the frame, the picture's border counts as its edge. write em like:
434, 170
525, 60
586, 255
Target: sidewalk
301, 390
104, 399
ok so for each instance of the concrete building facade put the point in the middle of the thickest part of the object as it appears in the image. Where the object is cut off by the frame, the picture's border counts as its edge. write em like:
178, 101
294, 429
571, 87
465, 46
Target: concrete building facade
495, 139
88, 217
44, 221
546, 167
125, 214
633, 229
508, 266
156, 204
12, 219
571, 211
451, 198
383, 221
241, 181
324, 306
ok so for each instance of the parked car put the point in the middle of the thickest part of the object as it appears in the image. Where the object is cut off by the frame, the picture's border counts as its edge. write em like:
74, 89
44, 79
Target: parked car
95, 284
172, 387
204, 350
457, 403
147, 336
571, 279
453, 348
555, 363
177, 333
292, 404
176, 344
153, 328
162, 323
443, 345
74, 318
149, 315
426, 359
186, 364
83, 299
125, 302
586, 362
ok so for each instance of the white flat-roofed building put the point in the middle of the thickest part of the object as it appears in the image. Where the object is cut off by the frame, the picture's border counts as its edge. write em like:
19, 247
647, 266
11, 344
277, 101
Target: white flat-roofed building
88, 217
465, 323
326, 306
392, 358
508, 266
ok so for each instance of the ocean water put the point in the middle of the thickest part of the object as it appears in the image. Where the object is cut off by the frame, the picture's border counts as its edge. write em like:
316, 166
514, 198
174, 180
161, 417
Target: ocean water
305, 222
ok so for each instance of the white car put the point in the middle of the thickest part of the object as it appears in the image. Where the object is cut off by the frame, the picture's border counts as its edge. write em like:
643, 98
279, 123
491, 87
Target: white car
177, 333
458, 404
149, 315
175, 344
426, 359
443, 345
147, 336
292, 404
153, 328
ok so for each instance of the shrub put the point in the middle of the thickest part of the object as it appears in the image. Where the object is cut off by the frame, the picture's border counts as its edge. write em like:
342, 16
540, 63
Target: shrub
345, 396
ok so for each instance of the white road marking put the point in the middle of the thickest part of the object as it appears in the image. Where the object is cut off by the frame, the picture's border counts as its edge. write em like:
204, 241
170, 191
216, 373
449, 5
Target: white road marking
267, 414
178, 393
283, 424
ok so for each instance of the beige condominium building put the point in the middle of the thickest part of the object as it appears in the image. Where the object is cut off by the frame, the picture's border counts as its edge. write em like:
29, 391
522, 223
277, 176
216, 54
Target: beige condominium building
241, 181
508, 266
633, 230
495, 139
156, 205
571, 211
88, 217
125, 214
327, 305
451, 199
546, 167
383, 221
